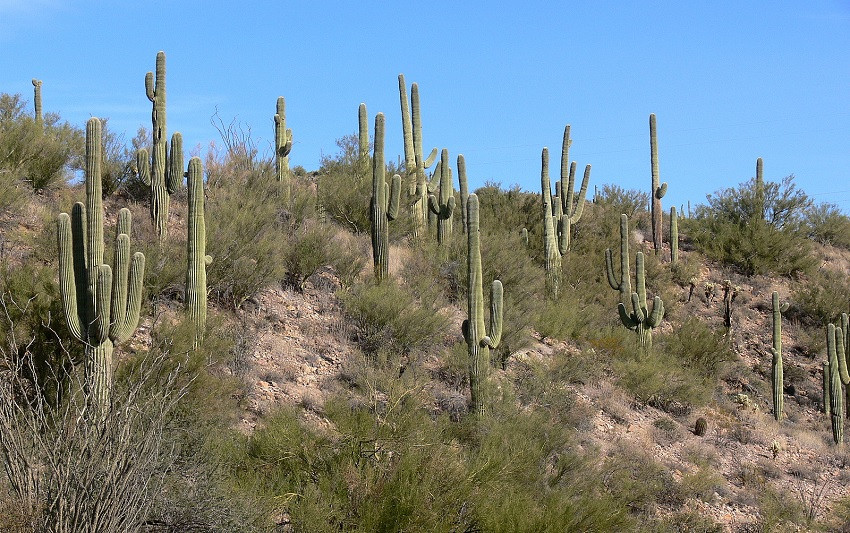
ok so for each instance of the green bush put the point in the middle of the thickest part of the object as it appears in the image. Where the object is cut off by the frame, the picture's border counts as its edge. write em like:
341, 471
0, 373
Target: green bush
312, 247
820, 298
825, 223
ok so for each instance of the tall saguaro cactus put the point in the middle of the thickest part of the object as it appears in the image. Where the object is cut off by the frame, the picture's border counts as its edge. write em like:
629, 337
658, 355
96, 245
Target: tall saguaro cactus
551, 250
165, 173
197, 258
642, 320
776, 350
384, 203
443, 204
674, 236
362, 132
282, 147
571, 208
836, 398
414, 161
760, 188
658, 189
623, 285
478, 341
101, 305
464, 188
39, 116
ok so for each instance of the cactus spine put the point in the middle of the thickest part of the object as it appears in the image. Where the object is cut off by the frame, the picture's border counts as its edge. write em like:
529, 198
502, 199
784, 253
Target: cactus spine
776, 350
165, 172
384, 203
443, 204
623, 285
282, 147
197, 258
551, 250
674, 236
101, 306
642, 320
464, 188
39, 116
414, 161
658, 189
571, 208
836, 400
474, 332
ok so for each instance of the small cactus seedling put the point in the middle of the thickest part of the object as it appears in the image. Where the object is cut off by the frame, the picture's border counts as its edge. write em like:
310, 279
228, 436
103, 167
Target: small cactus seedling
196, 271
101, 303
383, 205
658, 189
478, 341
282, 148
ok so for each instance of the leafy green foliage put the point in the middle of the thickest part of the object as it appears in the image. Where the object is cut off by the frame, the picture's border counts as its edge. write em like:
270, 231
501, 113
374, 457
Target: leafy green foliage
826, 224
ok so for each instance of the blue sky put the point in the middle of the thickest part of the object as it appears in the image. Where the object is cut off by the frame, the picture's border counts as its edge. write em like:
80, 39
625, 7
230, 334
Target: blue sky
729, 81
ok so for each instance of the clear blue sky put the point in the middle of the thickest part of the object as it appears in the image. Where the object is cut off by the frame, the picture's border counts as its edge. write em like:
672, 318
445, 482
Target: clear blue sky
730, 81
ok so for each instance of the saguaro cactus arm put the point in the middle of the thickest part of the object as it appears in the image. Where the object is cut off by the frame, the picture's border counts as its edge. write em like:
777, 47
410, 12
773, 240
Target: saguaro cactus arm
623, 284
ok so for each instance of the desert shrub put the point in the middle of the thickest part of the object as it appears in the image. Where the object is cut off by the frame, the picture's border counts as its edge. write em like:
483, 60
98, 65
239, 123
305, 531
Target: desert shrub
312, 247
821, 298
733, 227
699, 348
508, 211
634, 477
389, 319
825, 223
616, 199
345, 186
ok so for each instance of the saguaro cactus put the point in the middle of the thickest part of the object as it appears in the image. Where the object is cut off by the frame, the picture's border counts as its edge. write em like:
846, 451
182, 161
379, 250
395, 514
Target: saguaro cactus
464, 188
101, 306
641, 319
478, 341
836, 398
571, 208
443, 204
760, 188
776, 350
165, 172
362, 132
674, 236
730, 292
623, 284
196, 243
658, 190
384, 204
36, 87
551, 250
414, 161
282, 147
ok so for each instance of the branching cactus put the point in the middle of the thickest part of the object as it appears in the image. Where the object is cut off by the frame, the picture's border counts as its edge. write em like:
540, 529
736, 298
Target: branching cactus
443, 204
658, 189
101, 304
282, 147
384, 203
623, 284
642, 320
39, 116
478, 341
165, 173
674, 236
836, 398
551, 250
464, 188
414, 161
196, 244
776, 350
571, 208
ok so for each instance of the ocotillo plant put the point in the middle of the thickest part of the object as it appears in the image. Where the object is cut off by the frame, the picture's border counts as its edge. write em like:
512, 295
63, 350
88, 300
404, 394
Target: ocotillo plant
478, 341
641, 319
571, 208
165, 172
383, 205
674, 236
551, 250
414, 161
197, 258
443, 204
776, 350
623, 284
836, 398
464, 188
36, 87
362, 132
101, 306
282, 147
658, 189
